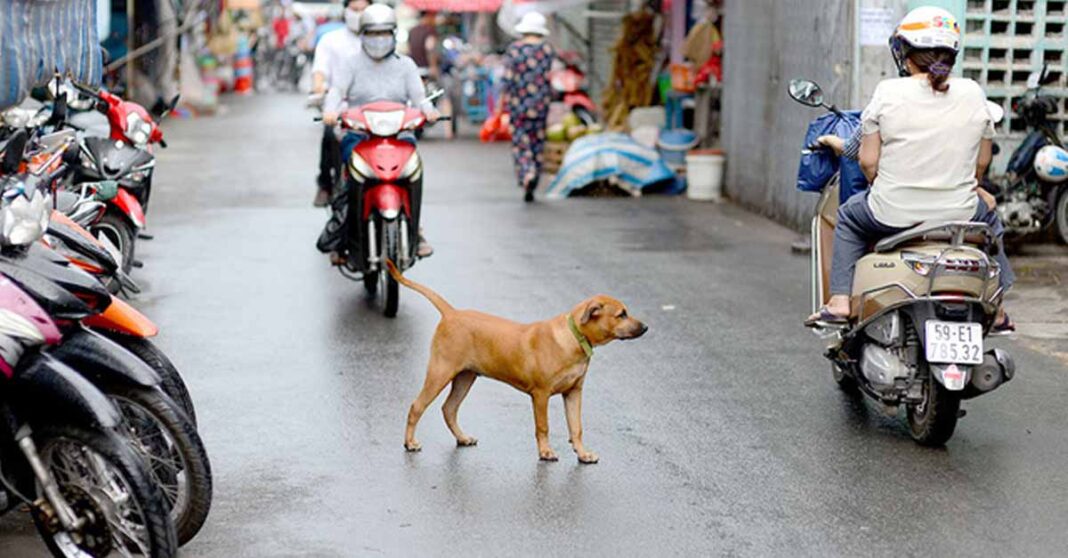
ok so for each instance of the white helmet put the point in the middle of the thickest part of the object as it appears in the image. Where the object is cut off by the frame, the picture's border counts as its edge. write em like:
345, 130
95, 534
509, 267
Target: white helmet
924, 28
378, 17
1051, 164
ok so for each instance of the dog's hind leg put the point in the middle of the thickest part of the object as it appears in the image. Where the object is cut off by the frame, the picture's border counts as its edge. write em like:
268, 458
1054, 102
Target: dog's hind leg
438, 375
461, 384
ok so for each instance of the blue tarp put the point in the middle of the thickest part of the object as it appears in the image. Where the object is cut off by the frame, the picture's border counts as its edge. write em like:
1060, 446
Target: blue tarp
819, 165
40, 37
633, 166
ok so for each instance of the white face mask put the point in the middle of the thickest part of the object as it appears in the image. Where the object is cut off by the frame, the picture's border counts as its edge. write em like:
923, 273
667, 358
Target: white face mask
352, 20
378, 47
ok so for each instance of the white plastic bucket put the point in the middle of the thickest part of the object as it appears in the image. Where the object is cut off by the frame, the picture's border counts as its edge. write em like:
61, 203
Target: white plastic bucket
704, 175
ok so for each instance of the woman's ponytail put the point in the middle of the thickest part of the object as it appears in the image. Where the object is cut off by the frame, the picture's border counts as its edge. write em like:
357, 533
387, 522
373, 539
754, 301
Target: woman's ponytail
937, 64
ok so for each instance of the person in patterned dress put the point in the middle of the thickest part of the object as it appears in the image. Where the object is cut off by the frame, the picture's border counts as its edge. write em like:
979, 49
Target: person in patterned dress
527, 95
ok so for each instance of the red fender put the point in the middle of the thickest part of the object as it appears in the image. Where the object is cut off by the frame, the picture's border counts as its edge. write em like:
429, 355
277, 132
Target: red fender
386, 198
130, 207
387, 156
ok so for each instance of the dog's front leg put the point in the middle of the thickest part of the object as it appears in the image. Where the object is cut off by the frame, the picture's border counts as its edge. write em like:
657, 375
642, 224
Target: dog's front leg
541, 425
573, 410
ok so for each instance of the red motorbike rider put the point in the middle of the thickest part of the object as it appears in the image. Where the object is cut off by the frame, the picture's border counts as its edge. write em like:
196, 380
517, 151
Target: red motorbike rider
376, 74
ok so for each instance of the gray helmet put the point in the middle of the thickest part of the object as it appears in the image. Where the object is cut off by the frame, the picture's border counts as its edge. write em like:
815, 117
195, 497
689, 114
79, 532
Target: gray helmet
378, 17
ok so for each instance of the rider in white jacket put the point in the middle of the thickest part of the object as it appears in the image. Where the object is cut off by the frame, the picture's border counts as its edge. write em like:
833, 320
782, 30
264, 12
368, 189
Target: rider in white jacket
927, 139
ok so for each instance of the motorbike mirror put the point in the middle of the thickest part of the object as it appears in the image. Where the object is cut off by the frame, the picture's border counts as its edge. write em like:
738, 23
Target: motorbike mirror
1034, 80
161, 108
806, 92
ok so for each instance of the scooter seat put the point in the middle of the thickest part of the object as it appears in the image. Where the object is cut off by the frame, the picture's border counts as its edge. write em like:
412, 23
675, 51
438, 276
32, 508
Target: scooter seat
973, 233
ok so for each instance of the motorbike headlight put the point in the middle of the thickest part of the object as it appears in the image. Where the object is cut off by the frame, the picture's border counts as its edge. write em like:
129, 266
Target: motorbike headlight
137, 129
920, 263
359, 169
23, 220
413, 168
384, 123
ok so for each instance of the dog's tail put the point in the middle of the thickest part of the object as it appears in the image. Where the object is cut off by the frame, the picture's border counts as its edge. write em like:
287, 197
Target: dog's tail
433, 297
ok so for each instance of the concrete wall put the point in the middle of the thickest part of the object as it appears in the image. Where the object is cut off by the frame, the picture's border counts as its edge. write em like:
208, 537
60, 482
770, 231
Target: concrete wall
768, 43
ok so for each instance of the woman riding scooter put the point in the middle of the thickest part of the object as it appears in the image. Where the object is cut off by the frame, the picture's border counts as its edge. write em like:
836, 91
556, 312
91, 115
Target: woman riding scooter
927, 138
378, 73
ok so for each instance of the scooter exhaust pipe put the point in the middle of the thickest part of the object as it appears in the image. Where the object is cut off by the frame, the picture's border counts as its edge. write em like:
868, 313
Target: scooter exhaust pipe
997, 369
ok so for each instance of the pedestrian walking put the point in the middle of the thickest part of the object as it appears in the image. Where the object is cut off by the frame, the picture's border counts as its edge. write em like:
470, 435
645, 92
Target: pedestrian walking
527, 94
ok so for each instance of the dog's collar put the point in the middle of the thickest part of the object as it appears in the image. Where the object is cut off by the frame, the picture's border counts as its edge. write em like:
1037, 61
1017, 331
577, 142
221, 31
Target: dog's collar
582, 340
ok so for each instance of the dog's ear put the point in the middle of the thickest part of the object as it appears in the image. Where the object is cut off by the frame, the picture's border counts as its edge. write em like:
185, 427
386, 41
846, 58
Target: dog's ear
592, 311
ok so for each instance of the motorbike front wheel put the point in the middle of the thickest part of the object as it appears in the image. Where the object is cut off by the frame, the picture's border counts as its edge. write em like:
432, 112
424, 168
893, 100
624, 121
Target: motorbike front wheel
1060, 221
120, 233
390, 249
160, 433
932, 422
110, 488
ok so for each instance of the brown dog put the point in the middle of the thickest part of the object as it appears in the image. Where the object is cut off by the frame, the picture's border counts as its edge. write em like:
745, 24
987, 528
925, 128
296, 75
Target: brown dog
541, 359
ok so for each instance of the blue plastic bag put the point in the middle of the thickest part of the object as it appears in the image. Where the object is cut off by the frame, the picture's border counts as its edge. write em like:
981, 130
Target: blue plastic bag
818, 166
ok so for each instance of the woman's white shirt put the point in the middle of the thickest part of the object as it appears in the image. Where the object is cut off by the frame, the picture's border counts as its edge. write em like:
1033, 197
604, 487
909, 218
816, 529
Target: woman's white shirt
930, 148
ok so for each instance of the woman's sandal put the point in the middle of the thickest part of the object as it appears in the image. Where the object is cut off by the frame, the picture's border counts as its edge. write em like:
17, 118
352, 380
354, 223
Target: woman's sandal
826, 318
1004, 327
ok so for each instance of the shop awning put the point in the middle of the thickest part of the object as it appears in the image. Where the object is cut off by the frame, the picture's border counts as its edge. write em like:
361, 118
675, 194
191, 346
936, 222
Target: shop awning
454, 5
39, 38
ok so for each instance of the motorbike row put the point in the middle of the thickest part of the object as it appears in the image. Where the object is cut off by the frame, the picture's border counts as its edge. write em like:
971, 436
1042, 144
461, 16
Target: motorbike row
925, 300
98, 433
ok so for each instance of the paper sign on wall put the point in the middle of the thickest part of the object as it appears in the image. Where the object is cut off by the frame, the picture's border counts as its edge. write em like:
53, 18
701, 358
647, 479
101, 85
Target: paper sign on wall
876, 26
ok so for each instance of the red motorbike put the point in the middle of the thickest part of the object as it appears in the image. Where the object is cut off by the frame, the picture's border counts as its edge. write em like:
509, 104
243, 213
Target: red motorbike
126, 158
383, 187
569, 86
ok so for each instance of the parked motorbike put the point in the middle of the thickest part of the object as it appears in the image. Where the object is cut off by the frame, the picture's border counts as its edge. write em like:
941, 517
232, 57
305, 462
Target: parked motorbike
924, 300
124, 157
383, 185
1029, 202
118, 320
155, 425
61, 452
568, 82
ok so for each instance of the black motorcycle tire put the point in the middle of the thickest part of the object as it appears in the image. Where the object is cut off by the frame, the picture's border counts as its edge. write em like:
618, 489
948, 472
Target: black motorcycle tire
934, 425
171, 380
585, 116
370, 283
1060, 219
120, 232
391, 248
190, 450
161, 538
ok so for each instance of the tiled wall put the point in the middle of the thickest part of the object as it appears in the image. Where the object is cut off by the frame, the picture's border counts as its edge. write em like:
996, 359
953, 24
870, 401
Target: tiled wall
1007, 40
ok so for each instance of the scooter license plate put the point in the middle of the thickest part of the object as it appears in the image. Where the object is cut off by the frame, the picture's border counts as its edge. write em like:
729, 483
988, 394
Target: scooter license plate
954, 342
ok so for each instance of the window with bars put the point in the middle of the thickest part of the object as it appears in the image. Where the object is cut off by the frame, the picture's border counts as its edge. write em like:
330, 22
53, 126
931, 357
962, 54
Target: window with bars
1005, 41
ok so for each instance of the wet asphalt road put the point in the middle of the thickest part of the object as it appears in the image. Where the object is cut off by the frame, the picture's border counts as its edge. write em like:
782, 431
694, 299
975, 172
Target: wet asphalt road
720, 432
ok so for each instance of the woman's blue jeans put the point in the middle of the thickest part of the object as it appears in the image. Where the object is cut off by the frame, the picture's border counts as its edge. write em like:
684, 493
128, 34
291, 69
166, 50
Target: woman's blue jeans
858, 229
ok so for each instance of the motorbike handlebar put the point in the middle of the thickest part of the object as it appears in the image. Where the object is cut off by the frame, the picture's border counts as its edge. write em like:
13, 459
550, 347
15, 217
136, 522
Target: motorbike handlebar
86, 90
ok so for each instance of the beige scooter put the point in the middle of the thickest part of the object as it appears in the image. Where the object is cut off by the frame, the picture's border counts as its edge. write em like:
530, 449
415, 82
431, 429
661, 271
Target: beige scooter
923, 302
